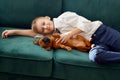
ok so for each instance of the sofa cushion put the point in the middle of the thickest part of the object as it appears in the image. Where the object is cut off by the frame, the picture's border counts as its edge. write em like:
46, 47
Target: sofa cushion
67, 63
19, 55
20, 13
78, 58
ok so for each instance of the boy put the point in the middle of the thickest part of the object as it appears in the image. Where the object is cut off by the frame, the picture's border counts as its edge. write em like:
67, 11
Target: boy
70, 24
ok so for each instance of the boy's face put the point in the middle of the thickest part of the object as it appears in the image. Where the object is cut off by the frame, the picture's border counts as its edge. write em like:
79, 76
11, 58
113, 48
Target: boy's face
45, 25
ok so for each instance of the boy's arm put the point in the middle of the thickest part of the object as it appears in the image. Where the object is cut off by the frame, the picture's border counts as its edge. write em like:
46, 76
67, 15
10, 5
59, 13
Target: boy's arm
26, 32
65, 36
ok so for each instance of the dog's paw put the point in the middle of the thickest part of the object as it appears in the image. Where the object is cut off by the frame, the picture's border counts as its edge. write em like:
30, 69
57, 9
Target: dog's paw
69, 48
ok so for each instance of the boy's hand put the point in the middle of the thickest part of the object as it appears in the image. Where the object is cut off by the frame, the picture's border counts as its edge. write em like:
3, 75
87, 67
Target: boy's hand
7, 33
64, 38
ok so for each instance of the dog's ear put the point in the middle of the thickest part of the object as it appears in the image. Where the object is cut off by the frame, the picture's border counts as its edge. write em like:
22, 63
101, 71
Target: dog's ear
46, 40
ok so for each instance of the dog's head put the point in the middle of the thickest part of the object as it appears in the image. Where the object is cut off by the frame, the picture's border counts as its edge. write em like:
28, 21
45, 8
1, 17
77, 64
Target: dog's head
46, 42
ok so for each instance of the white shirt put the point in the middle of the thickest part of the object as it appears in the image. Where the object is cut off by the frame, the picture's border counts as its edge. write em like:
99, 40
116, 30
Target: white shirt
70, 20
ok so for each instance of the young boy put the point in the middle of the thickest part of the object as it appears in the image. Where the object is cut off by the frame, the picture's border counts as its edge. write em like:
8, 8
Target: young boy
34, 31
107, 43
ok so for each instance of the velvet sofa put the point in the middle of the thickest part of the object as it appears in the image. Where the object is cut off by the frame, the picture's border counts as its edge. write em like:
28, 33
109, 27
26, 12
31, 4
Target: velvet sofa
20, 59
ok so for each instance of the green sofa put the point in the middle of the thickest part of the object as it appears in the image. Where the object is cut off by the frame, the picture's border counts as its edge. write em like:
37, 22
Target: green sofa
20, 59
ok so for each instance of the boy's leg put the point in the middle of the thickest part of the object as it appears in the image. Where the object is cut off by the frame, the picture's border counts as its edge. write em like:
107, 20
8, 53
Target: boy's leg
95, 50
107, 36
101, 54
112, 39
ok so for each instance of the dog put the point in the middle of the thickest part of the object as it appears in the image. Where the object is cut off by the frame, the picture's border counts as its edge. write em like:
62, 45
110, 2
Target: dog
78, 42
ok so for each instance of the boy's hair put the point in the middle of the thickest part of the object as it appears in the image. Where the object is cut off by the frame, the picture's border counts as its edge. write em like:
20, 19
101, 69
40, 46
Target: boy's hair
34, 26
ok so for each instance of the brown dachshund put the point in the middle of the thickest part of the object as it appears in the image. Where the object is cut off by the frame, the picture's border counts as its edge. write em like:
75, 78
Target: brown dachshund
78, 42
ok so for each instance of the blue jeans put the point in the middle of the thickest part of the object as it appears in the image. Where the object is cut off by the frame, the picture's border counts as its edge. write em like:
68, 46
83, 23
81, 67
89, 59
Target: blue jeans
107, 49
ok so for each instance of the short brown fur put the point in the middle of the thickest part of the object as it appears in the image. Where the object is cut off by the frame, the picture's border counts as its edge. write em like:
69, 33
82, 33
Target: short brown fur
78, 42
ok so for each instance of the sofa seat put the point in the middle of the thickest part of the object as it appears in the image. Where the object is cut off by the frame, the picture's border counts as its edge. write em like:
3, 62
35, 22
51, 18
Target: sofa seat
20, 56
75, 65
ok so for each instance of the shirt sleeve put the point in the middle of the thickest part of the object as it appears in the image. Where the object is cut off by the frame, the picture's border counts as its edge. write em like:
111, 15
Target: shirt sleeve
38, 36
75, 20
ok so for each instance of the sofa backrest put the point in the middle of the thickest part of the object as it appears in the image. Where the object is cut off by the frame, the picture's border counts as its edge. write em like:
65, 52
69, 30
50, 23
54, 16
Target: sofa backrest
108, 11
20, 13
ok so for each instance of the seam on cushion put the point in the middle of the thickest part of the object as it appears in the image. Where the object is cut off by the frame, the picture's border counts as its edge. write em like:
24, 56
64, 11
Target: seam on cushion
24, 58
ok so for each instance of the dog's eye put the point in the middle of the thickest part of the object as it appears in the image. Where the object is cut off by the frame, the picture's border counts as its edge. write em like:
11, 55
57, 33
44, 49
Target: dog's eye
46, 40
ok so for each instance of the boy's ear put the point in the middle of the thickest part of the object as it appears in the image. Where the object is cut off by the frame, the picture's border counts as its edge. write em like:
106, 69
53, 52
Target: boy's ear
47, 17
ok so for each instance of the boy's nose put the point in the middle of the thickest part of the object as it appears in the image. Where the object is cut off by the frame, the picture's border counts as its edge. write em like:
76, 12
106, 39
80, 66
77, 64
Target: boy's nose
46, 26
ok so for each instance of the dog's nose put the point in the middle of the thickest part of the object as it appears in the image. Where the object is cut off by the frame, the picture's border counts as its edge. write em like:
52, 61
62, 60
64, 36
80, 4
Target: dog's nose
46, 40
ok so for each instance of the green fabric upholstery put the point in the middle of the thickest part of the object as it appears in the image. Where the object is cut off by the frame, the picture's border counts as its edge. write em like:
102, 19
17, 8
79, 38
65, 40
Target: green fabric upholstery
23, 47
19, 55
20, 13
75, 65
8, 76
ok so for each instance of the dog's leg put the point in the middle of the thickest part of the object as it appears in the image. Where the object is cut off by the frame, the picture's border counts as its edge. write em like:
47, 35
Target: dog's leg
88, 44
65, 47
84, 49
